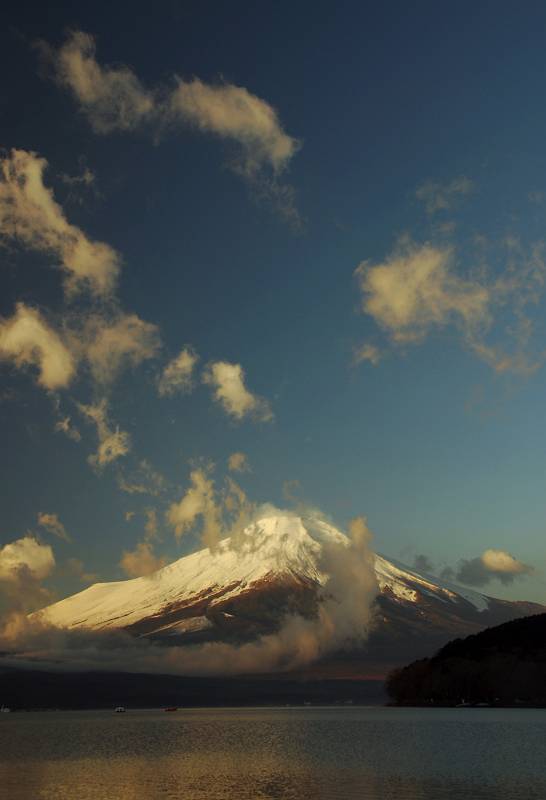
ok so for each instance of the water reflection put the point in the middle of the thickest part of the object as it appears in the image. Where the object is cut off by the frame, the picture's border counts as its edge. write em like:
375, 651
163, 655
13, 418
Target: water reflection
372, 754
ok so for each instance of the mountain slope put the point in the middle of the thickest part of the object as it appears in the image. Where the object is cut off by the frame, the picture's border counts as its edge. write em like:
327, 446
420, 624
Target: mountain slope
274, 568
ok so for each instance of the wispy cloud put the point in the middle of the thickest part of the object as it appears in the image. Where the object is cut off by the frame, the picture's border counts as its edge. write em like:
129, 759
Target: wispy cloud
177, 376
65, 425
222, 512
52, 524
144, 479
367, 352
443, 196
238, 462
29, 214
110, 343
113, 442
141, 561
114, 99
418, 288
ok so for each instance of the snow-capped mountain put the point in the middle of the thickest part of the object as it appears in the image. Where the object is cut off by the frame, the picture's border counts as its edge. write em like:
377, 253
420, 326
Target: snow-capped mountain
275, 568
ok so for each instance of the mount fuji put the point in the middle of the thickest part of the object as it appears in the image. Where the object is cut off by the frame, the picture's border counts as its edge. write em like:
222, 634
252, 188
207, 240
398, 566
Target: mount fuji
274, 569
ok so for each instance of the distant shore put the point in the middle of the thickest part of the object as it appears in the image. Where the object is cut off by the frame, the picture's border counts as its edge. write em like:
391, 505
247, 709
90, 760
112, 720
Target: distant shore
38, 690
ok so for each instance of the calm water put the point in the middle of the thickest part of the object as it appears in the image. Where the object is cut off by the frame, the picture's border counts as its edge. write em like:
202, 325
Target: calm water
368, 753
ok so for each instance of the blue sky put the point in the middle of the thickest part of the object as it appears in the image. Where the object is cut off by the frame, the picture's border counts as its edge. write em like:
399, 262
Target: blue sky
406, 129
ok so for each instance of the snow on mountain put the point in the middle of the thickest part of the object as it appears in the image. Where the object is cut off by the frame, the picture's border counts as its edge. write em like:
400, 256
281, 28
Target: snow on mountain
274, 568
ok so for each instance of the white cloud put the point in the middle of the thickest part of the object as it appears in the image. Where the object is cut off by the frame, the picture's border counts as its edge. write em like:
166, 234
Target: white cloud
442, 196
416, 289
26, 555
109, 344
27, 339
30, 214
238, 462
113, 443
177, 375
53, 524
228, 382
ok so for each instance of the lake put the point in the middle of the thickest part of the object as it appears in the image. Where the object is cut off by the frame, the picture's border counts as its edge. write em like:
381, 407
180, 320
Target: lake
248, 754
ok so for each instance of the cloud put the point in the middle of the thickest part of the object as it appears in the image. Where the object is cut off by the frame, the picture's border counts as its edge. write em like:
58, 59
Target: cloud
416, 289
74, 568
110, 344
26, 554
86, 178
222, 513
24, 563
422, 563
53, 524
442, 197
198, 501
143, 480
367, 352
64, 425
27, 339
492, 564
114, 99
232, 112
113, 444
177, 375
238, 462
228, 382
141, 561
30, 214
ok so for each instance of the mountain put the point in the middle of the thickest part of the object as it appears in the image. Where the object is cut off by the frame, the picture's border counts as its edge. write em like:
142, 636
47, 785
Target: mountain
504, 665
275, 568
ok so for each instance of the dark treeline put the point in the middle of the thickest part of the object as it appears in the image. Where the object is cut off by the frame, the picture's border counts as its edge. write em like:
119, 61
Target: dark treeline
505, 665
34, 689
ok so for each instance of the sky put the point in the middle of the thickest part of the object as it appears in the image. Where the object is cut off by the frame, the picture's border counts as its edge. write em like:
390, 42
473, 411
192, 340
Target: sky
272, 253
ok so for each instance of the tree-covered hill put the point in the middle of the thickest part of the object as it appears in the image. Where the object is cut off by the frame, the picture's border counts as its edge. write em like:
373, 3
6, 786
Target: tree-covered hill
505, 665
